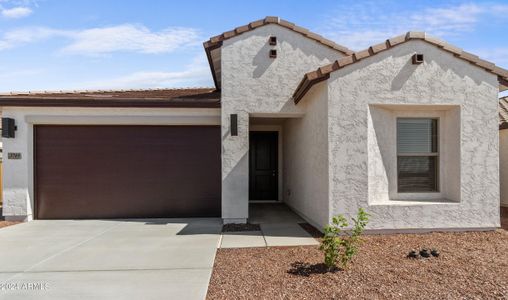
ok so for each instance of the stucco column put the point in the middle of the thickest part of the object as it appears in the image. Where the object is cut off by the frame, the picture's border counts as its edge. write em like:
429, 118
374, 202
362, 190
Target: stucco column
17, 204
235, 169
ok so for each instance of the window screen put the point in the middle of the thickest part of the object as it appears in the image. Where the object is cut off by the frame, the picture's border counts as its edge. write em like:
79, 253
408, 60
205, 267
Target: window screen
417, 155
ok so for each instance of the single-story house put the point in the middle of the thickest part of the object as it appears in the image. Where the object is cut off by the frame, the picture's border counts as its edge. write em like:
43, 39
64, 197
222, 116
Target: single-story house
503, 151
407, 129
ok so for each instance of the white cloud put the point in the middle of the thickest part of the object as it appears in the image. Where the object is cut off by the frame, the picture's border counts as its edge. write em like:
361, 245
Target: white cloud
197, 73
20, 74
359, 26
18, 37
499, 56
128, 37
103, 40
16, 12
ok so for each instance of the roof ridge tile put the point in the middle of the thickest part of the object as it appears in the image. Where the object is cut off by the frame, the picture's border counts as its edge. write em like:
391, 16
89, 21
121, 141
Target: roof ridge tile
276, 20
272, 19
309, 78
396, 40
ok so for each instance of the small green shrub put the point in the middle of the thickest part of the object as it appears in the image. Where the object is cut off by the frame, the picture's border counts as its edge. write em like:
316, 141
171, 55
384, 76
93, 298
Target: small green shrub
340, 245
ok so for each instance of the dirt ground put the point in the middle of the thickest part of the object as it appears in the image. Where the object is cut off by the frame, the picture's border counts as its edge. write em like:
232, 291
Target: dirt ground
471, 265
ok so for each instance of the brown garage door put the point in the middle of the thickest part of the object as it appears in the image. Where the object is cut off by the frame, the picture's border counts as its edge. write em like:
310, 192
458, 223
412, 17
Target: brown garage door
127, 171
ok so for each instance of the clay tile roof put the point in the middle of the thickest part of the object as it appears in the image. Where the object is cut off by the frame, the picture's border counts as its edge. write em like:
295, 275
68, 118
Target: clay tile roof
214, 41
503, 113
323, 73
182, 97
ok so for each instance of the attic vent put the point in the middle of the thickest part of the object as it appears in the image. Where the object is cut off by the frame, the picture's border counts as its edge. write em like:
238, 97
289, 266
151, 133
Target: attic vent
417, 59
273, 53
272, 41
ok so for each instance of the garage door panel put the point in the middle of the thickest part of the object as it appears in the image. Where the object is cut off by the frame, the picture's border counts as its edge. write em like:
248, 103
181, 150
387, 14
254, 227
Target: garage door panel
127, 171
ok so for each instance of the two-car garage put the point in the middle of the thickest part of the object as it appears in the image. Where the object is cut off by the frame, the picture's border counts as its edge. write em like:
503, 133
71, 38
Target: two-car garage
110, 171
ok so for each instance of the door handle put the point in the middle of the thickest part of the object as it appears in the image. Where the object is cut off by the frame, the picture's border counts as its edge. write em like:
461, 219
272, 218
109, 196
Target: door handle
273, 173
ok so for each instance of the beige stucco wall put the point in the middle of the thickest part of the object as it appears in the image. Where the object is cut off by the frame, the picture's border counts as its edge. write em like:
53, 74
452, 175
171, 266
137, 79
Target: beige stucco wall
306, 159
390, 78
252, 82
503, 159
18, 194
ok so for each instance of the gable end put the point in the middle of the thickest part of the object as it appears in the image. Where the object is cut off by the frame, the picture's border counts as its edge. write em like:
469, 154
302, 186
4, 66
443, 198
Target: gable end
323, 73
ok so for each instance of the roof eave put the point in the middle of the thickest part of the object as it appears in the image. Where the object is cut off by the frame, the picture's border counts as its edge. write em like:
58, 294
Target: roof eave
95, 102
208, 50
503, 84
281, 22
306, 84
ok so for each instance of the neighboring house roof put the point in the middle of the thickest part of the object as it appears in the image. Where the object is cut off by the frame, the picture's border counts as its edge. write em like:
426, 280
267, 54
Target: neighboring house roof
216, 41
323, 73
503, 113
184, 97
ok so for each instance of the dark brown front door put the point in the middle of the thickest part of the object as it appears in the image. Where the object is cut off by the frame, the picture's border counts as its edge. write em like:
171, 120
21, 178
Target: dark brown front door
127, 171
263, 168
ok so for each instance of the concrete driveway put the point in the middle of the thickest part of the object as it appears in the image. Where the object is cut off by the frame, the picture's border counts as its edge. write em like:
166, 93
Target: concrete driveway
108, 259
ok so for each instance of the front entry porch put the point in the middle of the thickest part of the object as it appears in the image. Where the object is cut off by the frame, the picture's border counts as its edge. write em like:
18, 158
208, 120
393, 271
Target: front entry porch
278, 224
275, 159
269, 213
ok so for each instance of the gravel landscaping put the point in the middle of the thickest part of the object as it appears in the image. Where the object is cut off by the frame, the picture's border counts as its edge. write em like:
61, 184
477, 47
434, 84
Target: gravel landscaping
471, 265
7, 223
4, 223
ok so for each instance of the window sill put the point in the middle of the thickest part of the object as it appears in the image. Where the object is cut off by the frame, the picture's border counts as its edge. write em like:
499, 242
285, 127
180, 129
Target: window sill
413, 202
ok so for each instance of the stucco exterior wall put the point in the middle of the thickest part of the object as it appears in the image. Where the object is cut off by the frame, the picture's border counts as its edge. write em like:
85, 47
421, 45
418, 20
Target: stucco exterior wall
18, 194
503, 160
382, 152
252, 82
390, 78
306, 159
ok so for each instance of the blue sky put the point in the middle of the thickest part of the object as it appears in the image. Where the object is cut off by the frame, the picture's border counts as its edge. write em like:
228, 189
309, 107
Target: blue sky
65, 45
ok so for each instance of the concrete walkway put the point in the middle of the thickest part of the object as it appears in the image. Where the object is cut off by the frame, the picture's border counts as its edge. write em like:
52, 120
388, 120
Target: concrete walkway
99, 259
279, 227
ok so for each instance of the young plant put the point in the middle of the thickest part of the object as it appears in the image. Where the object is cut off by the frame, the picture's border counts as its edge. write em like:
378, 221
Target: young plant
331, 242
340, 245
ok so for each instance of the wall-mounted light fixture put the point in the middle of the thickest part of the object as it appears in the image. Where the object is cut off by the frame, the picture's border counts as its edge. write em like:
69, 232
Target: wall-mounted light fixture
234, 124
273, 53
8, 128
417, 58
272, 41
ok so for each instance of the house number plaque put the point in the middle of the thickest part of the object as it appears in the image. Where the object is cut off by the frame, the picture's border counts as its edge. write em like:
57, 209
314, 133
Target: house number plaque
13, 155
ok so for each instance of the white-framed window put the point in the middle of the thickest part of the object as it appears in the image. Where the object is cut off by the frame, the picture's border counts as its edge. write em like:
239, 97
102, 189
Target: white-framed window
417, 155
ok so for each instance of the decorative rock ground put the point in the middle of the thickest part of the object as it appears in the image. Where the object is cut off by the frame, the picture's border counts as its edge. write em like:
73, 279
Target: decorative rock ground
413, 254
425, 253
379, 271
434, 252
